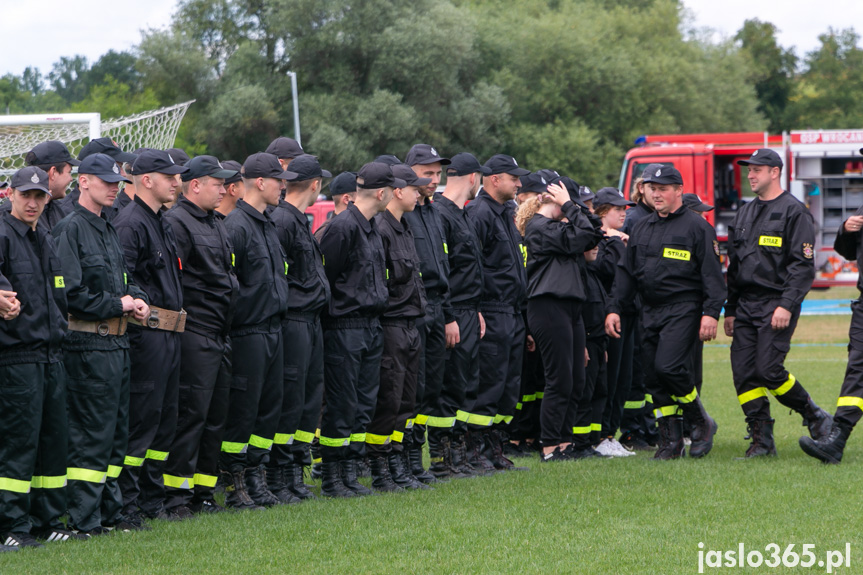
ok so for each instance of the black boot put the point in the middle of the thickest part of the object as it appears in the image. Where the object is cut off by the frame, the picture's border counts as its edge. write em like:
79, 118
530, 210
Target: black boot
819, 422
279, 483
236, 495
702, 428
299, 487
671, 444
475, 454
256, 484
828, 449
440, 464
494, 451
400, 476
331, 480
415, 461
349, 478
458, 457
761, 434
381, 479
315, 452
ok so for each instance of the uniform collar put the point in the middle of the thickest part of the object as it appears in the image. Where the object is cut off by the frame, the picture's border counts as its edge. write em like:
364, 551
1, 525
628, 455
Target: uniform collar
20, 227
193, 209
675, 214
292, 209
495, 205
365, 224
143, 205
98, 222
397, 225
242, 205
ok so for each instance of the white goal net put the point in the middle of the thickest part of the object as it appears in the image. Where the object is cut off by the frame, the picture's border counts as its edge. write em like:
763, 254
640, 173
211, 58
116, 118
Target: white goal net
19, 134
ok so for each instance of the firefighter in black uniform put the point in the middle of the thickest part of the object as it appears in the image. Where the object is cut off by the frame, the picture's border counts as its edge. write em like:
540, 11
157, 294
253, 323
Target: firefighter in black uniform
32, 379
54, 159
829, 449
353, 338
154, 345
503, 298
101, 296
672, 262
461, 372
343, 190
111, 148
771, 266
396, 400
209, 292
425, 225
302, 333
256, 334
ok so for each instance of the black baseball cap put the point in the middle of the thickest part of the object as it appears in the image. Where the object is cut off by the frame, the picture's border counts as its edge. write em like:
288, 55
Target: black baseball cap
201, 166
551, 176
503, 164
235, 166
264, 165
388, 159
610, 196
586, 194
50, 152
465, 164
422, 154
344, 183
31, 178
574, 189
103, 167
694, 203
4, 185
156, 161
285, 148
763, 157
108, 147
663, 175
307, 167
406, 173
376, 175
533, 183
179, 155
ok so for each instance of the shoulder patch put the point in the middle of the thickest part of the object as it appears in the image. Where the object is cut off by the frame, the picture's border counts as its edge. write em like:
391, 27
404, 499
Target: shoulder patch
808, 252
716, 247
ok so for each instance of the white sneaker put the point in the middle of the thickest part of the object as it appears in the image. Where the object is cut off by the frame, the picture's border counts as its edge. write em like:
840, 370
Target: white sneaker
605, 448
620, 450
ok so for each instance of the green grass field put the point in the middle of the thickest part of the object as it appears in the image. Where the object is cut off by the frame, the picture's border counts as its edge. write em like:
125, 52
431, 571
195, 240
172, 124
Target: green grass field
617, 516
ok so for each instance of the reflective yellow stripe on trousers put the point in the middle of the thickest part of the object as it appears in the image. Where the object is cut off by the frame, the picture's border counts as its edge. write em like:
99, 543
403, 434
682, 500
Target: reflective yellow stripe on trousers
785, 387
48, 482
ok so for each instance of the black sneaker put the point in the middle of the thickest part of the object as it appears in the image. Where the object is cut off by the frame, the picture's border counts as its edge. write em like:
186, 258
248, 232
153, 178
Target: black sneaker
54, 535
180, 513
205, 506
21, 540
96, 531
556, 455
131, 522
635, 442
7, 548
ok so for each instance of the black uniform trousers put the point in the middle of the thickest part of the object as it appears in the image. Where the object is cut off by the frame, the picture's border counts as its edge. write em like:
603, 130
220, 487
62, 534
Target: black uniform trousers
205, 385
850, 404
256, 396
588, 421
632, 407
33, 446
97, 399
153, 391
757, 359
303, 341
525, 424
432, 330
461, 370
501, 352
559, 333
352, 374
670, 332
396, 400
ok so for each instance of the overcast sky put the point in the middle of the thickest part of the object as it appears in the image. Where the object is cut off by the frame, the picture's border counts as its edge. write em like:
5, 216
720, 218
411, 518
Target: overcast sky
37, 33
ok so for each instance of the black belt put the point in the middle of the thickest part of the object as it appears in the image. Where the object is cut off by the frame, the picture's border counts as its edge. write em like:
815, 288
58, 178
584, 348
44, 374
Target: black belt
271, 325
405, 322
307, 316
350, 322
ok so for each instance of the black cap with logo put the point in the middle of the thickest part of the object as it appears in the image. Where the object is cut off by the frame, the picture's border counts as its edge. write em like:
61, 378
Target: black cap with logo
285, 148
406, 173
465, 164
533, 183
376, 175
763, 157
662, 175
694, 203
179, 155
156, 161
610, 196
307, 167
50, 152
264, 165
108, 147
103, 167
201, 166
388, 159
344, 183
422, 154
235, 166
31, 178
503, 164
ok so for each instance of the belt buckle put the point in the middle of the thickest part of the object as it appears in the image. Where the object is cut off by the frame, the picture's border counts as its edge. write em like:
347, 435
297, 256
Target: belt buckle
153, 320
103, 329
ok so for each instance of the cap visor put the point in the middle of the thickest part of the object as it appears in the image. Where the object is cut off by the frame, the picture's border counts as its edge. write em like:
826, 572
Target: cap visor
286, 175
224, 174
73, 162
125, 157
517, 172
112, 178
421, 182
28, 187
398, 183
326, 173
441, 161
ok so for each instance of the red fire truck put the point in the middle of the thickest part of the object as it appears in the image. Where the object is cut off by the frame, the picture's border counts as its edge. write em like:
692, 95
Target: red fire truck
823, 169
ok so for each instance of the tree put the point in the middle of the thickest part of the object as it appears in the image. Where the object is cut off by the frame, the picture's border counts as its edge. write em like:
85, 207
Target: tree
68, 78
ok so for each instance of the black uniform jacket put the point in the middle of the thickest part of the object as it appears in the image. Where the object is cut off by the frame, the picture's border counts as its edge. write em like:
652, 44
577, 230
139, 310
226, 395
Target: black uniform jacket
504, 259
29, 266
431, 247
670, 260
771, 252
849, 245
261, 267
555, 254
407, 297
355, 266
310, 290
464, 254
210, 287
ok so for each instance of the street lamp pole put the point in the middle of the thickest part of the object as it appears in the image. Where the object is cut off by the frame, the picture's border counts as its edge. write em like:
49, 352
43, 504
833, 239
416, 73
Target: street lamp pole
293, 76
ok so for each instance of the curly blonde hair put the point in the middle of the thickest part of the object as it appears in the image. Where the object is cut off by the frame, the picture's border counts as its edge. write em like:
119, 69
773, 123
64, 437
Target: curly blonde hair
528, 209
636, 194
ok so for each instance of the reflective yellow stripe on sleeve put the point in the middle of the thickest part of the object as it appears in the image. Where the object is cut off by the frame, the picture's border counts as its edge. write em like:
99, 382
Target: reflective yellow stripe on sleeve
785, 387
14, 485
751, 395
48, 482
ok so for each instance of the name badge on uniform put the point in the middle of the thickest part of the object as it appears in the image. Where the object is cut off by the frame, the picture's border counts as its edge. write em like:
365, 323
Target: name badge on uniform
770, 241
682, 255
58, 282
